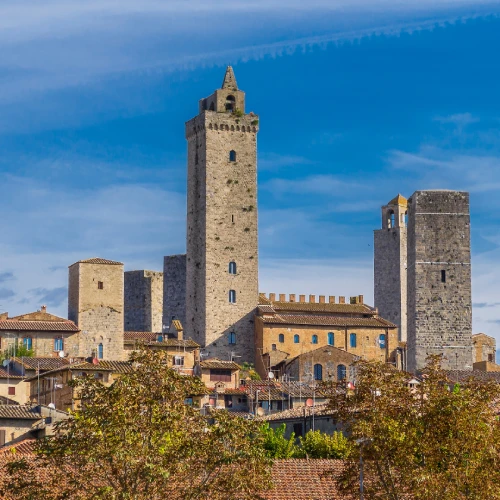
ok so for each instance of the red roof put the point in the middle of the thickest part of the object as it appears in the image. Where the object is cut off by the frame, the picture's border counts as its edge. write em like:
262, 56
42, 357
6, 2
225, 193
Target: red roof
38, 326
98, 260
317, 320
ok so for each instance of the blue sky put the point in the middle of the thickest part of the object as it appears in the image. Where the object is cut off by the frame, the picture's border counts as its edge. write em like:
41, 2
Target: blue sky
358, 100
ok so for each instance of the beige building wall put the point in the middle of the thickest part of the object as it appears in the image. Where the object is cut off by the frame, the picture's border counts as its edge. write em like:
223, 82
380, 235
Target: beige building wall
96, 305
222, 225
16, 428
484, 348
21, 389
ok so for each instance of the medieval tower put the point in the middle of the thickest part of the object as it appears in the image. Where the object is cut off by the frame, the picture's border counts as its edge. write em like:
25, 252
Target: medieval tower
390, 264
222, 251
95, 304
439, 279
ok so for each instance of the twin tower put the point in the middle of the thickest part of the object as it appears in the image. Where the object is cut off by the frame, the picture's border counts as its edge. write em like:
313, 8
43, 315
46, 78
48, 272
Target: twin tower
422, 272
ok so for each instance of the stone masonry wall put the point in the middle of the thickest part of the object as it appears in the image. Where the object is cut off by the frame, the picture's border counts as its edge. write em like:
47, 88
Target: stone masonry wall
174, 290
143, 301
222, 228
99, 312
439, 279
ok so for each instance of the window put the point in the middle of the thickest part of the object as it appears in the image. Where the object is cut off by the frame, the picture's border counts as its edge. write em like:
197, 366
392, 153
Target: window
491, 358
331, 338
314, 339
232, 268
212, 106
2, 437
100, 285
99, 376
232, 155
159, 338
230, 103
178, 360
443, 276
28, 342
220, 375
100, 351
381, 341
12, 391
296, 339
318, 372
281, 338
273, 347
232, 338
232, 296
228, 400
297, 429
59, 344
188, 401
341, 372
352, 339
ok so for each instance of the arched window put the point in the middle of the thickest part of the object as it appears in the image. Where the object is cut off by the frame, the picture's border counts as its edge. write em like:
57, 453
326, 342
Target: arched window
281, 338
100, 351
28, 342
58, 344
296, 339
232, 338
232, 296
232, 268
352, 340
230, 103
318, 372
341, 372
212, 106
406, 219
331, 338
314, 339
381, 341
391, 220
232, 155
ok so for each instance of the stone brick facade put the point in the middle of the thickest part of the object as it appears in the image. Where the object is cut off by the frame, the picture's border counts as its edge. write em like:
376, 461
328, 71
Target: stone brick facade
95, 304
143, 301
439, 279
485, 348
390, 261
174, 290
222, 251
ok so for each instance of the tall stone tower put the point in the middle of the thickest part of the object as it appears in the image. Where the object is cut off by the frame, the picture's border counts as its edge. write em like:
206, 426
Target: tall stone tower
222, 252
390, 264
95, 304
439, 279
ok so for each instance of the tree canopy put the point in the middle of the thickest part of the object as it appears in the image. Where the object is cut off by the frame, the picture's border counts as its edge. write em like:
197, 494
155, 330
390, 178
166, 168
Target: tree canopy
435, 440
137, 439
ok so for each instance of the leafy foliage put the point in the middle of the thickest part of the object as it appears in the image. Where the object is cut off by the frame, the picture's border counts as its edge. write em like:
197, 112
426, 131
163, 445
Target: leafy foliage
136, 439
317, 444
18, 350
276, 444
248, 370
437, 440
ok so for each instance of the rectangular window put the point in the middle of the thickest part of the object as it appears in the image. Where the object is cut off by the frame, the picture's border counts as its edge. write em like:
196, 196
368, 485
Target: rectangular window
352, 339
58, 344
443, 276
12, 391
220, 375
179, 360
2, 437
100, 285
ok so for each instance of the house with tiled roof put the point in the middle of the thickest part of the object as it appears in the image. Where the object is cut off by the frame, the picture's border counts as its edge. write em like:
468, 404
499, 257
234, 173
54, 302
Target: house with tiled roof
297, 327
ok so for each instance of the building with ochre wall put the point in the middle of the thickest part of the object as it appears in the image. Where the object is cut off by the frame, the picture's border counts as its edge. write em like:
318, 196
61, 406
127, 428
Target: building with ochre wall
95, 305
222, 251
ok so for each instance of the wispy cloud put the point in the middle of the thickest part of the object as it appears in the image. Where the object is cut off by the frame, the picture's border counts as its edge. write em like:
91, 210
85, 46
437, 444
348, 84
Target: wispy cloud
6, 293
6, 276
316, 184
53, 297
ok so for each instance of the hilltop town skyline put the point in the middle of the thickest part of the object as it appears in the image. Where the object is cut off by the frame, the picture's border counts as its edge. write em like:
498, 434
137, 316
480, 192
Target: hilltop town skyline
110, 181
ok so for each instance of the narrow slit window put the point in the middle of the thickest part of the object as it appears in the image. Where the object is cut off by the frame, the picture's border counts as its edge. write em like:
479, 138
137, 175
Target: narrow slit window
232, 219
232, 268
443, 276
100, 351
314, 339
100, 285
232, 155
296, 339
232, 338
232, 296
331, 338
352, 338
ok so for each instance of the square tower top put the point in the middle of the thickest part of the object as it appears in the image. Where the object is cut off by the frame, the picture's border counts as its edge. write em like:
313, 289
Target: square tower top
227, 99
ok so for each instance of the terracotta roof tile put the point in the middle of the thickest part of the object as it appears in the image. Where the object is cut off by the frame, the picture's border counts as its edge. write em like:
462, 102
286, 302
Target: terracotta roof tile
219, 363
464, 375
38, 326
148, 336
44, 364
303, 479
151, 339
103, 365
22, 412
98, 260
25, 447
317, 320
9, 374
301, 411
316, 307
399, 200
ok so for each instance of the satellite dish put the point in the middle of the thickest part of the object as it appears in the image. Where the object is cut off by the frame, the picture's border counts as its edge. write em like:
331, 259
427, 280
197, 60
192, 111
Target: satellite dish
270, 375
260, 411
309, 402
5, 363
95, 361
61, 354
52, 406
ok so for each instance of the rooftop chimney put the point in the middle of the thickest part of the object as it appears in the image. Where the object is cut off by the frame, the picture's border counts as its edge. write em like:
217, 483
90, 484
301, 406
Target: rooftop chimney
43, 309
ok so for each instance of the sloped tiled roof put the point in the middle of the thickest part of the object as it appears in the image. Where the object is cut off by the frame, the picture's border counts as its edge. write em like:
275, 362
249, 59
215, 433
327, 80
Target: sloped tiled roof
150, 338
22, 412
103, 366
25, 448
300, 412
399, 200
39, 316
146, 336
306, 479
317, 320
219, 363
44, 364
9, 374
98, 260
38, 326
465, 375
312, 307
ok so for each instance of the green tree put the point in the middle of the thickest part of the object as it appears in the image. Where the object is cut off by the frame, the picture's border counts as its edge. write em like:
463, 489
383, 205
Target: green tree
433, 441
16, 350
276, 444
317, 444
136, 439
